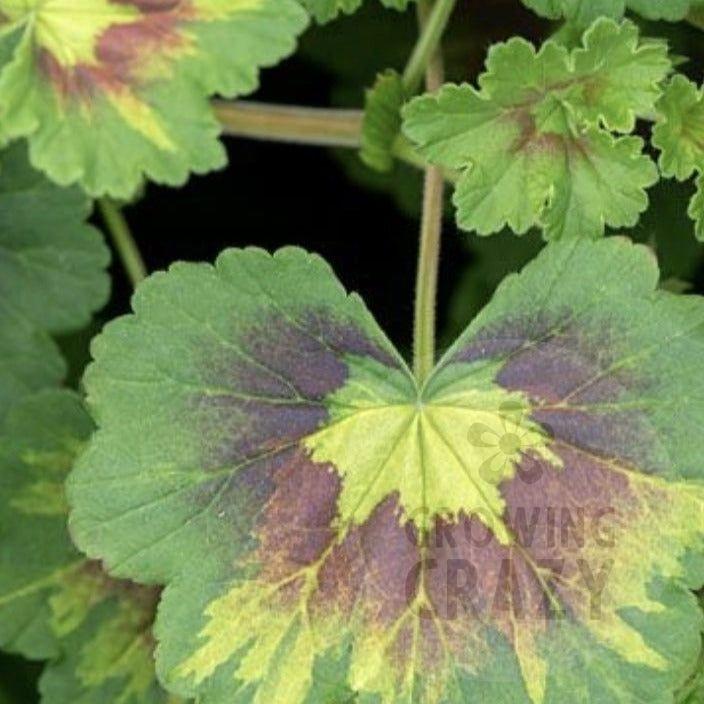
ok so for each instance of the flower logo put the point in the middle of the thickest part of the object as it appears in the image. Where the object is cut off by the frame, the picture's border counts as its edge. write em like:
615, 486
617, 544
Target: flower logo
505, 440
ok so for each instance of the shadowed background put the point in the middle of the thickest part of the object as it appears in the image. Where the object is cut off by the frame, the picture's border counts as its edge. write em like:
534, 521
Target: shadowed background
366, 224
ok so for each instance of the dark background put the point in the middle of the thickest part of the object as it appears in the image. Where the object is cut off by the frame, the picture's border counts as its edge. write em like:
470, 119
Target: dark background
364, 224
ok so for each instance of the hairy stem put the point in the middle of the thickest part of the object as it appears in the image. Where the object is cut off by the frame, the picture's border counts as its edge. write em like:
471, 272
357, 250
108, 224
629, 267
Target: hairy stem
122, 238
431, 227
427, 275
325, 127
433, 24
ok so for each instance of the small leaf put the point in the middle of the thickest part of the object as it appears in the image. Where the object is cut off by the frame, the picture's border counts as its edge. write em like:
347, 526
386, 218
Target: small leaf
521, 177
611, 79
52, 274
618, 76
679, 135
679, 131
326, 10
526, 527
584, 13
123, 95
532, 142
382, 121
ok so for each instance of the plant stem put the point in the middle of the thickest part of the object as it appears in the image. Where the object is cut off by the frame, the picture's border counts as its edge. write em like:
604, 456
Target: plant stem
325, 127
433, 23
427, 275
311, 126
122, 238
431, 227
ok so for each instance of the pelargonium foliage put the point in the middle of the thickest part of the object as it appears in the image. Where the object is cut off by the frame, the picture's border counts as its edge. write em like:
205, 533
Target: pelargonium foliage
108, 93
522, 528
539, 142
250, 496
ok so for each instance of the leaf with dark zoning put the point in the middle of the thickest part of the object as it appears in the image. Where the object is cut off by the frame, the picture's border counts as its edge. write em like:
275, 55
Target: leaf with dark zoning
536, 140
524, 528
108, 93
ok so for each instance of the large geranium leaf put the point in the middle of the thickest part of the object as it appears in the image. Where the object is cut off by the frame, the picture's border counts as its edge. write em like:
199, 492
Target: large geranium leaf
52, 274
524, 528
53, 601
111, 91
536, 140
584, 12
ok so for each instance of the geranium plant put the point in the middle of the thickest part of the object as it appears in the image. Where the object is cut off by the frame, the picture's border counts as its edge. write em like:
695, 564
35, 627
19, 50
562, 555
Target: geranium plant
253, 495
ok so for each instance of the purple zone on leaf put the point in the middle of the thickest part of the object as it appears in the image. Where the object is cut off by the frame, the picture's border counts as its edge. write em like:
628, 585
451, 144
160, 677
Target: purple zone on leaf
275, 378
122, 51
573, 377
457, 580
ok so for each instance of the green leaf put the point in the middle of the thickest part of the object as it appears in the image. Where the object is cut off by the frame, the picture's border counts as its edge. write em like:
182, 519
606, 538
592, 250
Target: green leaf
54, 603
326, 10
679, 130
618, 76
123, 95
41, 438
52, 275
533, 139
525, 528
696, 209
382, 121
584, 12
567, 184
109, 657
679, 135
611, 79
